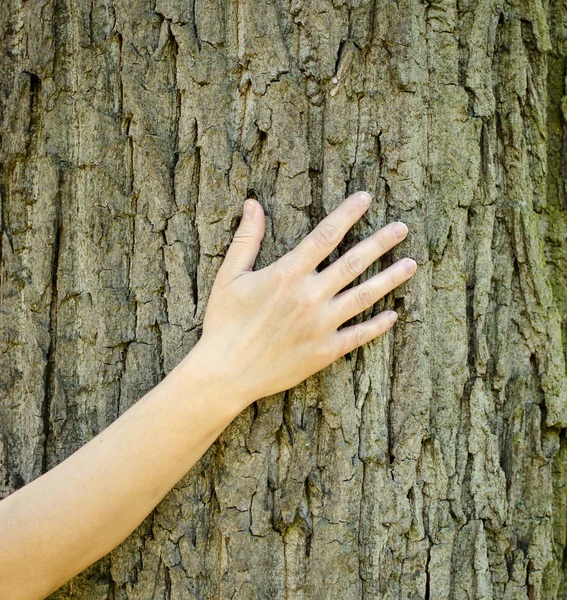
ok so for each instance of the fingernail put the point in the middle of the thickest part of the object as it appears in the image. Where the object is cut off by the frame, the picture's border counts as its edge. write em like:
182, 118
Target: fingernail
399, 230
392, 316
365, 197
249, 208
411, 266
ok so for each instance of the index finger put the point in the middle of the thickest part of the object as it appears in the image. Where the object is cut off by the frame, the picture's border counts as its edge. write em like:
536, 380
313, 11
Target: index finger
318, 244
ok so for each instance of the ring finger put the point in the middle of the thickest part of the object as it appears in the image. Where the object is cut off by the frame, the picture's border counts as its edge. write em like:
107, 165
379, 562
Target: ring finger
353, 301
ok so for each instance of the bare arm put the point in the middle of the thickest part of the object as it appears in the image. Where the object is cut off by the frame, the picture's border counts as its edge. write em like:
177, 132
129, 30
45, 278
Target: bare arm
74, 514
264, 331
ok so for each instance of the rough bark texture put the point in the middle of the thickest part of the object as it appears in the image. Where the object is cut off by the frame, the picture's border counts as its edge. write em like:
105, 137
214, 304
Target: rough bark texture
431, 463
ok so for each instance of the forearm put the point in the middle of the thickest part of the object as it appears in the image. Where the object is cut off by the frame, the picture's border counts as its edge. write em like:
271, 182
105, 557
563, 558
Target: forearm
68, 518
273, 327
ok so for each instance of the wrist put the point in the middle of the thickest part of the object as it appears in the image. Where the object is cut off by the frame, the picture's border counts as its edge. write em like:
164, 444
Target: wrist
206, 369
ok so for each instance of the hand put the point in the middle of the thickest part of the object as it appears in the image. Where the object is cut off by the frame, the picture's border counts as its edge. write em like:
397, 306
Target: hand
270, 329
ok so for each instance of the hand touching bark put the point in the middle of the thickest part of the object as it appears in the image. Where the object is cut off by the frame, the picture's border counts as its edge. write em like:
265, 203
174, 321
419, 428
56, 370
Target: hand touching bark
264, 331
274, 327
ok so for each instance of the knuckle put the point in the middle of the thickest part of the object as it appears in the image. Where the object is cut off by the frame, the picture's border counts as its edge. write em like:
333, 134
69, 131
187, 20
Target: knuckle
359, 335
363, 297
325, 353
355, 338
308, 301
327, 235
353, 264
353, 211
381, 245
242, 235
393, 279
345, 345
285, 272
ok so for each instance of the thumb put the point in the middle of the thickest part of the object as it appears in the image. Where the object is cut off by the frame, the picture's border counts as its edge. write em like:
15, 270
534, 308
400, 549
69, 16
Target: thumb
242, 252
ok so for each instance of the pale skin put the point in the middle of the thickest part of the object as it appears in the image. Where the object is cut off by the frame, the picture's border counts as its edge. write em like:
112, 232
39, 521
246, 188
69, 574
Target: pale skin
264, 331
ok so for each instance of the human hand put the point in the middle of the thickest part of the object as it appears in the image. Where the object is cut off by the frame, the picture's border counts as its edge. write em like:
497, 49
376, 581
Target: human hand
270, 329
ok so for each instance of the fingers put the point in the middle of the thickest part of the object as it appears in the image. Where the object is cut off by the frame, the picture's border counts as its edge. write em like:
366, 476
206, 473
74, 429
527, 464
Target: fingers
350, 338
243, 250
354, 262
353, 301
328, 234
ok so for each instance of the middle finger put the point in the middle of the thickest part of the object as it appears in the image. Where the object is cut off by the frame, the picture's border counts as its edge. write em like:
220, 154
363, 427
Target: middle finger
354, 262
355, 300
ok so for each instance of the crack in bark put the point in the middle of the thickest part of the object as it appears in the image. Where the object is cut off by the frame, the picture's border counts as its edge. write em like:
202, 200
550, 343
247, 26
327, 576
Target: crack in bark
194, 24
50, 358
195, 190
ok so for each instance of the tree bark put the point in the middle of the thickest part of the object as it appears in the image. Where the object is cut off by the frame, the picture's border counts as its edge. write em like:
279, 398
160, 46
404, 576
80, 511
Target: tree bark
431, 463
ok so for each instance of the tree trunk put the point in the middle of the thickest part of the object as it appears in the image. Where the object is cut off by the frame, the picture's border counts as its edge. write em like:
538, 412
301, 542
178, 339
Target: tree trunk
430, 463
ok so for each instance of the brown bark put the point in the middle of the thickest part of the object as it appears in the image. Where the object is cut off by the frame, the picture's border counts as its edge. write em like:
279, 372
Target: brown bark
431, 463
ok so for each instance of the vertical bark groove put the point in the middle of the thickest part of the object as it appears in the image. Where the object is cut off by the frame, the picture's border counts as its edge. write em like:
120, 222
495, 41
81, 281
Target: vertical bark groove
429, 463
